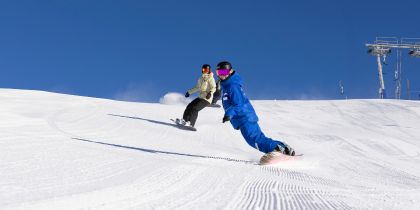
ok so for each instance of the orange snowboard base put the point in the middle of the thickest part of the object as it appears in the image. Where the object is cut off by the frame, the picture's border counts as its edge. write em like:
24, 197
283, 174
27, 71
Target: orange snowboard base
276, 157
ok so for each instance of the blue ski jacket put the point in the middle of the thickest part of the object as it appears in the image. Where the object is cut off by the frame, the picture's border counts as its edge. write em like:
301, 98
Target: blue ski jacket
236, 104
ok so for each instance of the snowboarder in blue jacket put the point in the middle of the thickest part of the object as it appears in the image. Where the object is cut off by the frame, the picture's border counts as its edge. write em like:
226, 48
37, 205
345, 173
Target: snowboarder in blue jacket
241, 114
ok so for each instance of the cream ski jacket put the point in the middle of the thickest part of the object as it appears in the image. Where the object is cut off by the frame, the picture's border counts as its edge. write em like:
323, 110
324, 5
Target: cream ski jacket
205, 85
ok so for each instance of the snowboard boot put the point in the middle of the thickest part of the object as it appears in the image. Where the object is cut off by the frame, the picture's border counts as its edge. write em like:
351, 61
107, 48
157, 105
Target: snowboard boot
180, 121
286, 150
183, 122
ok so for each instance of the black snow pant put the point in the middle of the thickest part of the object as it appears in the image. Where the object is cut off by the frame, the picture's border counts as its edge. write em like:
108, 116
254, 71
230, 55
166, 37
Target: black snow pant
216, 96
191, 112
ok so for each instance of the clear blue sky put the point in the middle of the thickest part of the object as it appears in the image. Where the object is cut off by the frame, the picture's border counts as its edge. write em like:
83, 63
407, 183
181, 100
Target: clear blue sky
140, 50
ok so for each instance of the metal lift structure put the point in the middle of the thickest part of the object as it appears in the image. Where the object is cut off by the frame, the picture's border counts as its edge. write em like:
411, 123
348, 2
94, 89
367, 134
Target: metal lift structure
381, 48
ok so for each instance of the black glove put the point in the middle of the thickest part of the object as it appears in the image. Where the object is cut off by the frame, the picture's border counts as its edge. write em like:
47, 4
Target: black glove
208, 96
187, 95
226, 118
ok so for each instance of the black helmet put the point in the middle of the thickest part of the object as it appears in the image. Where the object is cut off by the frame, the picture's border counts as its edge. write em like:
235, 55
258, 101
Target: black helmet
206, 69
224, 65
205, 66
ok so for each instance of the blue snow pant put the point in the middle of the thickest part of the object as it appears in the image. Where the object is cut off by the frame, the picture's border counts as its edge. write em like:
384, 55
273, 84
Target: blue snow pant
253, 135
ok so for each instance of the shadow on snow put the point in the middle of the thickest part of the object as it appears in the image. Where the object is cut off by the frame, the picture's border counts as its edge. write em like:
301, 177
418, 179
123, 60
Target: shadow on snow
152, 121
165, 152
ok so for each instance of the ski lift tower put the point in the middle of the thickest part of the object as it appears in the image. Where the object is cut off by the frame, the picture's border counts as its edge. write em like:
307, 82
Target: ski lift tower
382, 47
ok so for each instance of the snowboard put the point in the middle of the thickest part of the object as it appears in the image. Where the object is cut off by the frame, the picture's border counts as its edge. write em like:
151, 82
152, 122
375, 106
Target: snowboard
184, 127
273, 158
214, 105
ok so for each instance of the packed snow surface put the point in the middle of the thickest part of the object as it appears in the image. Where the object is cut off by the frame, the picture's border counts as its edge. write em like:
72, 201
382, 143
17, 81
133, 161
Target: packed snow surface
69, 152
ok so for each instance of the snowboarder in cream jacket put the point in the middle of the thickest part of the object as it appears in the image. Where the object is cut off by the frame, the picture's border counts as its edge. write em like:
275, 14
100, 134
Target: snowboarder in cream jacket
241, 114
206, 85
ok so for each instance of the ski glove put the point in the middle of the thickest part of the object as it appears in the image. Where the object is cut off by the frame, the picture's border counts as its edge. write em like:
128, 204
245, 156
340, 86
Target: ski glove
208, 96
226, 118
187, 95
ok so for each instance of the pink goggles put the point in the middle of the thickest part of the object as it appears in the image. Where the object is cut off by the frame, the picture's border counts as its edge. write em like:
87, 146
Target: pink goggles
223, 72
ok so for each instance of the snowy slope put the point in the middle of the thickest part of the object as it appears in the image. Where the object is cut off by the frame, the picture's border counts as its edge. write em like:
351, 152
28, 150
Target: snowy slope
69, 152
